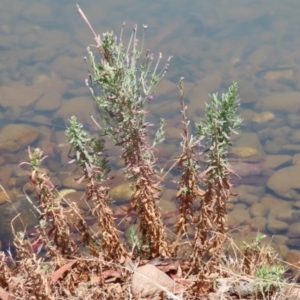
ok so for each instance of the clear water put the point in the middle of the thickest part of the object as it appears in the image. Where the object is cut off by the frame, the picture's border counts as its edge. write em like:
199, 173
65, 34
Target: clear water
213, 43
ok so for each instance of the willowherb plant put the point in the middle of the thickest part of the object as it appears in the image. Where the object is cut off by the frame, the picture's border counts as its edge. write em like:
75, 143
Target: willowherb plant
221, 120
54, 231
189, 191
121, 87
88, 154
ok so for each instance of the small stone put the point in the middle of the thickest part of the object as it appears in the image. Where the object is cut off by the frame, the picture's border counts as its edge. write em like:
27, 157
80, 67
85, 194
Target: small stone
245, 290
244, 169
166, 205
293, 242
48, 102
258, 224
19, 95
296, 159
229, 206
280, 239
274, 161
258, 210
282, 250
286, 216
271, 147
244, 152
285, 182
294, 230
167, 150
241, 215
277, 208
47, 84
249, 146
293, 120
5, 173
286, 73
240, 206
291, 148
71, 182
270, 201
285, 102
296, 204
81, 107
295, 137
28, 187
275, 226
79, 199
293, 260
122, 192
244, 189
173, 133
232, 222
14, 137
5, 197
263, 117
53, 165
49, 149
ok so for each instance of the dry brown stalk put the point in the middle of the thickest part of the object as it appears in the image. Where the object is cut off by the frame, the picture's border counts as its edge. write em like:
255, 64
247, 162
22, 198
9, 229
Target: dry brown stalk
108, 233
151, 226
31, 282
5, 273
210, 230
189, 191
210, 233
139, 161
146, 185
57, 237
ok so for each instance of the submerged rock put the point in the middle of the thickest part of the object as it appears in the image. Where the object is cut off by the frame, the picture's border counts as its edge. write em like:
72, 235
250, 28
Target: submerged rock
285, 182
276, 73
244, 169
14, 137
263, 117
258, 210
286, 102
294, 230
4, 198
244, 151
249, 146
122, 192
274, 161
275, 226
18, 95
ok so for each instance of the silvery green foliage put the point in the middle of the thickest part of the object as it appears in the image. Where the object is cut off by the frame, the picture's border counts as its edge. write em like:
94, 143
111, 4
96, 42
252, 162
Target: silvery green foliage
87, 152
122, 84
221, 120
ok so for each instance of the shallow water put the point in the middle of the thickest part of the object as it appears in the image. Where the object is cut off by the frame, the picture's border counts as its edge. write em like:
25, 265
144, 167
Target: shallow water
213, 43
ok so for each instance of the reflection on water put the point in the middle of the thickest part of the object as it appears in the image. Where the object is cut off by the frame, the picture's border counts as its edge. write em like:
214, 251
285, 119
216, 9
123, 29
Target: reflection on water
213, 44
